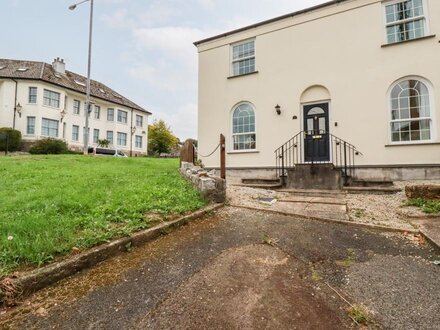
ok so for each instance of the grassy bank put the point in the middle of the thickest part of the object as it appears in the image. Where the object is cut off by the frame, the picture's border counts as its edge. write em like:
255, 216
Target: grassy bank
50, 204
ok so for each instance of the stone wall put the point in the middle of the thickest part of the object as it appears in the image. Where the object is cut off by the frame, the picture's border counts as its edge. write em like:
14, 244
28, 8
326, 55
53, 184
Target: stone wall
212, 187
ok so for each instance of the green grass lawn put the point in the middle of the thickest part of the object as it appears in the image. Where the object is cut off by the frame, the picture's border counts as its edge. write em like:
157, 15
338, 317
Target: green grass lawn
50, 204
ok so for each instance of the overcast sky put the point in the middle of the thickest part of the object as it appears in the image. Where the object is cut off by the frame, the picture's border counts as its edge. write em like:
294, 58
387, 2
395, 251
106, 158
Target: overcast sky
142, 48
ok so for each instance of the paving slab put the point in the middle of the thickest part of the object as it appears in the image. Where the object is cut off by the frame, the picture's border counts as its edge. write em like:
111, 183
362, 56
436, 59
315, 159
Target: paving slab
244, 269
430, 227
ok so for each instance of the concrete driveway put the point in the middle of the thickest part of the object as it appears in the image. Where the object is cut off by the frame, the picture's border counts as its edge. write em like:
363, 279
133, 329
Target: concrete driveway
243, 269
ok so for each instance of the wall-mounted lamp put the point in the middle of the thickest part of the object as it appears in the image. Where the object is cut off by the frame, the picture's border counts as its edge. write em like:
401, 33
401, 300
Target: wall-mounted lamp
63, 114
18, 108
295, 117
278, 109
133, 130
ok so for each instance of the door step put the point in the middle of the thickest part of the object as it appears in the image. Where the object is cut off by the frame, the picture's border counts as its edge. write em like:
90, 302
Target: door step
259, 186
371, 183
334, 194
270, 184
260, 181
378, 190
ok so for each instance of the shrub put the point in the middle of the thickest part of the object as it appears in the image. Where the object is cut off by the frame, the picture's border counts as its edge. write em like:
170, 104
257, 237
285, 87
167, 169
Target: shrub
103, 143
14, 139
49, 146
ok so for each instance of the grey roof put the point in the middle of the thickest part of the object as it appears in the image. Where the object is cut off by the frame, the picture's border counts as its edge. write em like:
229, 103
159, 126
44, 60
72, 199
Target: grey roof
279, 18
45, 72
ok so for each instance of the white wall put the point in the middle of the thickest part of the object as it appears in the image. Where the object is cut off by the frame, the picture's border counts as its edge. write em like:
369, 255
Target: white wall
338, 47
39, 110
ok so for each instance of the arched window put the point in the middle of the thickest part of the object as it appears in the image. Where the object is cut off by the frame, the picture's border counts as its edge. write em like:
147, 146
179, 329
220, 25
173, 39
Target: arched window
411, 112
243, 127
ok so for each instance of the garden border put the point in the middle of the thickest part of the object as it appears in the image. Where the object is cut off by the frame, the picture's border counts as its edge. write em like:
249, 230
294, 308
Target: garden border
40, 278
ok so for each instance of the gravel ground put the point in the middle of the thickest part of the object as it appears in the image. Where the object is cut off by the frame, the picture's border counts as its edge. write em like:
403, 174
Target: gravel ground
384, 210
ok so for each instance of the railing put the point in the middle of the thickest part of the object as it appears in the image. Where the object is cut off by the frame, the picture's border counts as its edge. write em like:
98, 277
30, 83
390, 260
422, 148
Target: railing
316, 147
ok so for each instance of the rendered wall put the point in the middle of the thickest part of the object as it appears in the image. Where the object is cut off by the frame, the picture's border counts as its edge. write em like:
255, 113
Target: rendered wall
338, 47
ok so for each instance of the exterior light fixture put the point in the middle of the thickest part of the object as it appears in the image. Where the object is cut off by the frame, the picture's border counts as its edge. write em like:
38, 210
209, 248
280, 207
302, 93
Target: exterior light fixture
133, 130
18, 108
63, 114
278, 109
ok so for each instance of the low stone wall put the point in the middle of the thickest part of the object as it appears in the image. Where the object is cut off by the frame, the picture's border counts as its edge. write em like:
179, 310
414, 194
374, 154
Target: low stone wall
423, 191
211, 186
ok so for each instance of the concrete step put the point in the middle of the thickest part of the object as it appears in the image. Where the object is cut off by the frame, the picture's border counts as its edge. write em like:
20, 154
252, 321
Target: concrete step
261, 181
378, 190
260, 186
335, 194
314, 200
371, 183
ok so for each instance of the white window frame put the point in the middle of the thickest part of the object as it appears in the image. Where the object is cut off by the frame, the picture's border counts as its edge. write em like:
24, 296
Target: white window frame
75, 133
432, 112
423, 17
28, 126
50, 128
76, 110
32, 88
97, 112
138, 138
233, 61
139, 121
51, 99
112, 136
95, 135
126, 116
232, 134
118, 138
113, 114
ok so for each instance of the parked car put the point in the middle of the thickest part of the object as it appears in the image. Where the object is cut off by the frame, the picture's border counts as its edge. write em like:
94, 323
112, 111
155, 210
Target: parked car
106, 152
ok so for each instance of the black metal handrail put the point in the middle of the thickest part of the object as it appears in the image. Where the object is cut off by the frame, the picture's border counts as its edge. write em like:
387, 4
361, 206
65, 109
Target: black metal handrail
341, 154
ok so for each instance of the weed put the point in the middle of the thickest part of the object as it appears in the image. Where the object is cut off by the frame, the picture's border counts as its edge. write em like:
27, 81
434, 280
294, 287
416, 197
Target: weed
358, 213
427, 206
315, 274
358, 314
347, 262
269, 241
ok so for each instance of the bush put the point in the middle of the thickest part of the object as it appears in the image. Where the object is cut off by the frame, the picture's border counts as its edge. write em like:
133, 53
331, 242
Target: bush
14, 139
49, 146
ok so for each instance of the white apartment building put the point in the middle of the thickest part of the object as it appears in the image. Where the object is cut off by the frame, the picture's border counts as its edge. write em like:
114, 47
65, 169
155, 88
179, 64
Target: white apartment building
43, 100
357, 80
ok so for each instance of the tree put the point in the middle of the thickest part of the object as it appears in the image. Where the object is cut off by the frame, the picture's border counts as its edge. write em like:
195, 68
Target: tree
160, 138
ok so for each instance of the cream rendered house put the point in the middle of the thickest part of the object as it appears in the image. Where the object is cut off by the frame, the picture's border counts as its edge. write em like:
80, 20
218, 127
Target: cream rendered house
43, 100
360, 77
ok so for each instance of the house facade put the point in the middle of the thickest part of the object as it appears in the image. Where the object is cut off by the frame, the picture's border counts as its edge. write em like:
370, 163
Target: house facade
361, 72
43, 100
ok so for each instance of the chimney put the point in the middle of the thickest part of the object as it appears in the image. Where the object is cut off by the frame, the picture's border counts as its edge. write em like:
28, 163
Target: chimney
59, 66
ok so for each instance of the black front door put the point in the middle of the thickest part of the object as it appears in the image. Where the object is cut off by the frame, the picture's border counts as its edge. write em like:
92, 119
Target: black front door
316, 135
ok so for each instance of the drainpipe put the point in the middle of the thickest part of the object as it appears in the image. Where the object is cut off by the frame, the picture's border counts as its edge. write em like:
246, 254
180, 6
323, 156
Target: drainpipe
131, 134
15, 102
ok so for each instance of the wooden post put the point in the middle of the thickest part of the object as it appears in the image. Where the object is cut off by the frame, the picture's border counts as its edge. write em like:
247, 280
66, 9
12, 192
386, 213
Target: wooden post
222, 157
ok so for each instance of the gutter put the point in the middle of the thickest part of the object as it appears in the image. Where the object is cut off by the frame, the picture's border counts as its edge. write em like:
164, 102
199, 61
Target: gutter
131, 134
15, 102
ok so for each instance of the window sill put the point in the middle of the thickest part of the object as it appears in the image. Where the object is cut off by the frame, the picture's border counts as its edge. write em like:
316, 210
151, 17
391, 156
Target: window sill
51, 107
242, 75
405, 41
243, 152
427, 143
